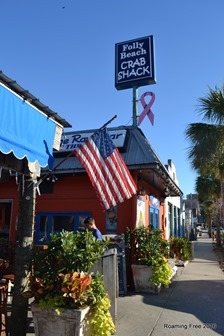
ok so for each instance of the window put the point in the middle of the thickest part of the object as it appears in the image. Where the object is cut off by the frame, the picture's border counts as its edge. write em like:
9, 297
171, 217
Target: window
5, 221
51, 223
175, 221
111, 220
170, 219
5, 218
154, 212
154, 218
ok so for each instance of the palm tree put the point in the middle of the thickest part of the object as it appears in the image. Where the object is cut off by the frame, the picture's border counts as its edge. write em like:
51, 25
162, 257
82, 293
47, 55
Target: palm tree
208, 190
207, 142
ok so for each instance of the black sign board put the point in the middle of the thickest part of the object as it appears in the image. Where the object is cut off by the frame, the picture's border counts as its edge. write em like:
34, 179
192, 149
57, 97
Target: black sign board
134, 63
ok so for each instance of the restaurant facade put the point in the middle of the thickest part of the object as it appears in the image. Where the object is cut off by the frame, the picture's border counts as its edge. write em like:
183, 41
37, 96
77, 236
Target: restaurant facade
66, 196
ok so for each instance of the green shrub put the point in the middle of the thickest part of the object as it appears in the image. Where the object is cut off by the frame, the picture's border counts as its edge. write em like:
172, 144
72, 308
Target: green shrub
180, 247
61, 278
146, 245
149, 248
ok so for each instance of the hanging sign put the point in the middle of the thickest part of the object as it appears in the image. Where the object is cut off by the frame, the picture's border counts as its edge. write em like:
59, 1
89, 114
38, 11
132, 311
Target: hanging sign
147, 107
134, 63
72, 140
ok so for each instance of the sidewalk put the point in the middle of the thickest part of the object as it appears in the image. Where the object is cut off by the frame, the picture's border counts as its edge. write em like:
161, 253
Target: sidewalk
192, 305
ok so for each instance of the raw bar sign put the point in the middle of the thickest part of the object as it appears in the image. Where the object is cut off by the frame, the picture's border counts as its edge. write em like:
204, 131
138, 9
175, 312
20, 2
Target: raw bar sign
134, 63
72, 140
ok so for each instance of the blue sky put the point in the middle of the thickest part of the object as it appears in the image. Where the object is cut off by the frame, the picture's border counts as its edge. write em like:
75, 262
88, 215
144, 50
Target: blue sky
63, 52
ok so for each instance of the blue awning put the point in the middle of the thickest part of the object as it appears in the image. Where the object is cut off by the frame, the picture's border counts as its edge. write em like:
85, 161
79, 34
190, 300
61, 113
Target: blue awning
24, 130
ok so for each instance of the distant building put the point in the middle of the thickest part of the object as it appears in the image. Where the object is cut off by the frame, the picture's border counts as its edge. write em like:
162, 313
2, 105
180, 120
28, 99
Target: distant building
192, 211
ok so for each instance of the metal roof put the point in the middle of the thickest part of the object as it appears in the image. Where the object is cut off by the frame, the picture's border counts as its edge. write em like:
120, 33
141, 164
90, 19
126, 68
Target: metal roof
26, 95
137, 153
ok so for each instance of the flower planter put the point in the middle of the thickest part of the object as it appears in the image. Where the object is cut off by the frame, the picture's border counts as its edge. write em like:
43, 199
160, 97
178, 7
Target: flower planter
71, 322
141, 275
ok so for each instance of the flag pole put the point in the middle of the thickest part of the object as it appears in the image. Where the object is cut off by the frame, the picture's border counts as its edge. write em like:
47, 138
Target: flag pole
107, 123
69, 155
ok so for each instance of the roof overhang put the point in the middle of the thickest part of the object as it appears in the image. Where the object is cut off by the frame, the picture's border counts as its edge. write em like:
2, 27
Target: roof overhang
137, 153
160, 179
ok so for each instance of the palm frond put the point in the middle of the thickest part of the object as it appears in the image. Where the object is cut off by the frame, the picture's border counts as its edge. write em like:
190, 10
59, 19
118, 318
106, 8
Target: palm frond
212, 106
206, 145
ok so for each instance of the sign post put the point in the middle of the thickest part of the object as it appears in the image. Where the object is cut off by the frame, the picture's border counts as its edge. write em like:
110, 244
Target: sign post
135, 106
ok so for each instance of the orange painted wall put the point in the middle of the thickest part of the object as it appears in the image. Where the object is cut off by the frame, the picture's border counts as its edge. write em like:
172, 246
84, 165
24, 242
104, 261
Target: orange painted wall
71, 194
76, 194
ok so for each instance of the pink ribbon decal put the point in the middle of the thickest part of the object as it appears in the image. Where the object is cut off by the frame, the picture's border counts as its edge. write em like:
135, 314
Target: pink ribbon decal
147, 107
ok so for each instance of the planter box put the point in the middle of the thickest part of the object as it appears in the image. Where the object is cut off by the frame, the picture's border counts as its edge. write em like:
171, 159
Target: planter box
71, 322
141, 275
173, 266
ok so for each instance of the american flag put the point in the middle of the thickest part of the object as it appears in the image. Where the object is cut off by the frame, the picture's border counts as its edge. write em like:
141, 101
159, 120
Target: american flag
106, 169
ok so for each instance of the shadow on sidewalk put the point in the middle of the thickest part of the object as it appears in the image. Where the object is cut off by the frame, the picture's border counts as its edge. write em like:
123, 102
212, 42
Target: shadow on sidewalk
198, 290
195, 296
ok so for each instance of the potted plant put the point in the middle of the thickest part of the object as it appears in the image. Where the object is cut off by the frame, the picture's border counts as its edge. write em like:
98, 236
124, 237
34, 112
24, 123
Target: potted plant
68, 299
180, 249
150, 267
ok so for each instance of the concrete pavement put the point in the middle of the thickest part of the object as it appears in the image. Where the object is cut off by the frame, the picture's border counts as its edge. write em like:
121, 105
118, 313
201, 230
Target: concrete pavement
192, 305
